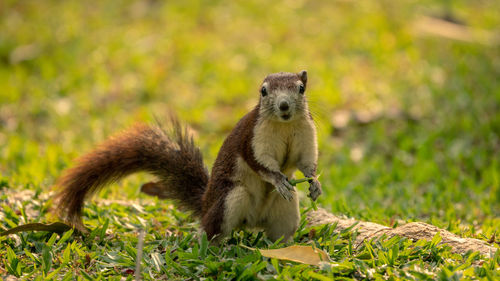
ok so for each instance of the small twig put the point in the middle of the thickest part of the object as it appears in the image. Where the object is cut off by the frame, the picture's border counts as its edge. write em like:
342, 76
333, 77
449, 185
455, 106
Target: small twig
138, 257
294, 182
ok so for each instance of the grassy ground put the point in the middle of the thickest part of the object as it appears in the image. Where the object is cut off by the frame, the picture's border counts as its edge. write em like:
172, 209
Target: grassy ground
408, 124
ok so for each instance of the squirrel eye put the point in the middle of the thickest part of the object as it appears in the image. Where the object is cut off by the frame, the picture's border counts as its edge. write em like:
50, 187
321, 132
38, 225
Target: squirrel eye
301, 89
263, 91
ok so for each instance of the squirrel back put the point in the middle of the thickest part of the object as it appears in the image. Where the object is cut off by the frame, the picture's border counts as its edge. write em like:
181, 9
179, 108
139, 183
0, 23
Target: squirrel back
173, 158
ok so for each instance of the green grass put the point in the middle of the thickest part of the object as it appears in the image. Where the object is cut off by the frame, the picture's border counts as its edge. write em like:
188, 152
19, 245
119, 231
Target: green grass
72, 73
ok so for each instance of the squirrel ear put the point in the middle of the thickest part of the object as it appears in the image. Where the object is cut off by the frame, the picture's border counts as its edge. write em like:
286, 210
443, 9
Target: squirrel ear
303, 76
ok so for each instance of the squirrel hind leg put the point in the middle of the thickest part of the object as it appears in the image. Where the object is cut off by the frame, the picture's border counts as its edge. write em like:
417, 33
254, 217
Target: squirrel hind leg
212, 221
283, 219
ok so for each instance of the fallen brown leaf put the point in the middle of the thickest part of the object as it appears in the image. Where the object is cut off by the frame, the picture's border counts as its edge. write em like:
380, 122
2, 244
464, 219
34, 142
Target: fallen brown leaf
297, 253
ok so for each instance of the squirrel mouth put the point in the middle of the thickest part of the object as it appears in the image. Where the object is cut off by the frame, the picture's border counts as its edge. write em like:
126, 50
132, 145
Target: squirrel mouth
285, 116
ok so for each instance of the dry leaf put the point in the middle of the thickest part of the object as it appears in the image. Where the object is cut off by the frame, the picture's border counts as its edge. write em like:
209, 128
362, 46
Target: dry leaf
297, 253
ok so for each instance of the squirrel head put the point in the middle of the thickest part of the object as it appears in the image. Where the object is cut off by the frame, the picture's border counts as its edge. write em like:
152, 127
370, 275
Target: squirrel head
282, 96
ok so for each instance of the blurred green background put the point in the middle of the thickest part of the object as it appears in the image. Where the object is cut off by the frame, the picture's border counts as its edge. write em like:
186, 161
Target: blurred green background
406, 94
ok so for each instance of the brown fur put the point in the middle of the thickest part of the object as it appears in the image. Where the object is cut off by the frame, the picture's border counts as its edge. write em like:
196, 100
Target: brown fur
221, 180
174, 159
285, 80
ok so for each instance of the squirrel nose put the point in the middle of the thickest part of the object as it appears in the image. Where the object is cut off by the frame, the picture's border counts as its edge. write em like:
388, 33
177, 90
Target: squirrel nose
284, 106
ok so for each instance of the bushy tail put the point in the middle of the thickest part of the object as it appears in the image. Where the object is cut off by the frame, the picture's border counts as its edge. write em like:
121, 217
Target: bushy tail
172, 157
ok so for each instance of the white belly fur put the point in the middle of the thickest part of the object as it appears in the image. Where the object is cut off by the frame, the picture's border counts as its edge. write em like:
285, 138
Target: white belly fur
255, 203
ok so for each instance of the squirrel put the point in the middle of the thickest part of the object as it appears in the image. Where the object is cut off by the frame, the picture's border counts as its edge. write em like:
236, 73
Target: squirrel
257, 158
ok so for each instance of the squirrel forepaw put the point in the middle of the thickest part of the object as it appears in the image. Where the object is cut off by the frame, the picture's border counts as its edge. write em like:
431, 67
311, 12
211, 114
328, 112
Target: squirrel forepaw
315, 189
285, 188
